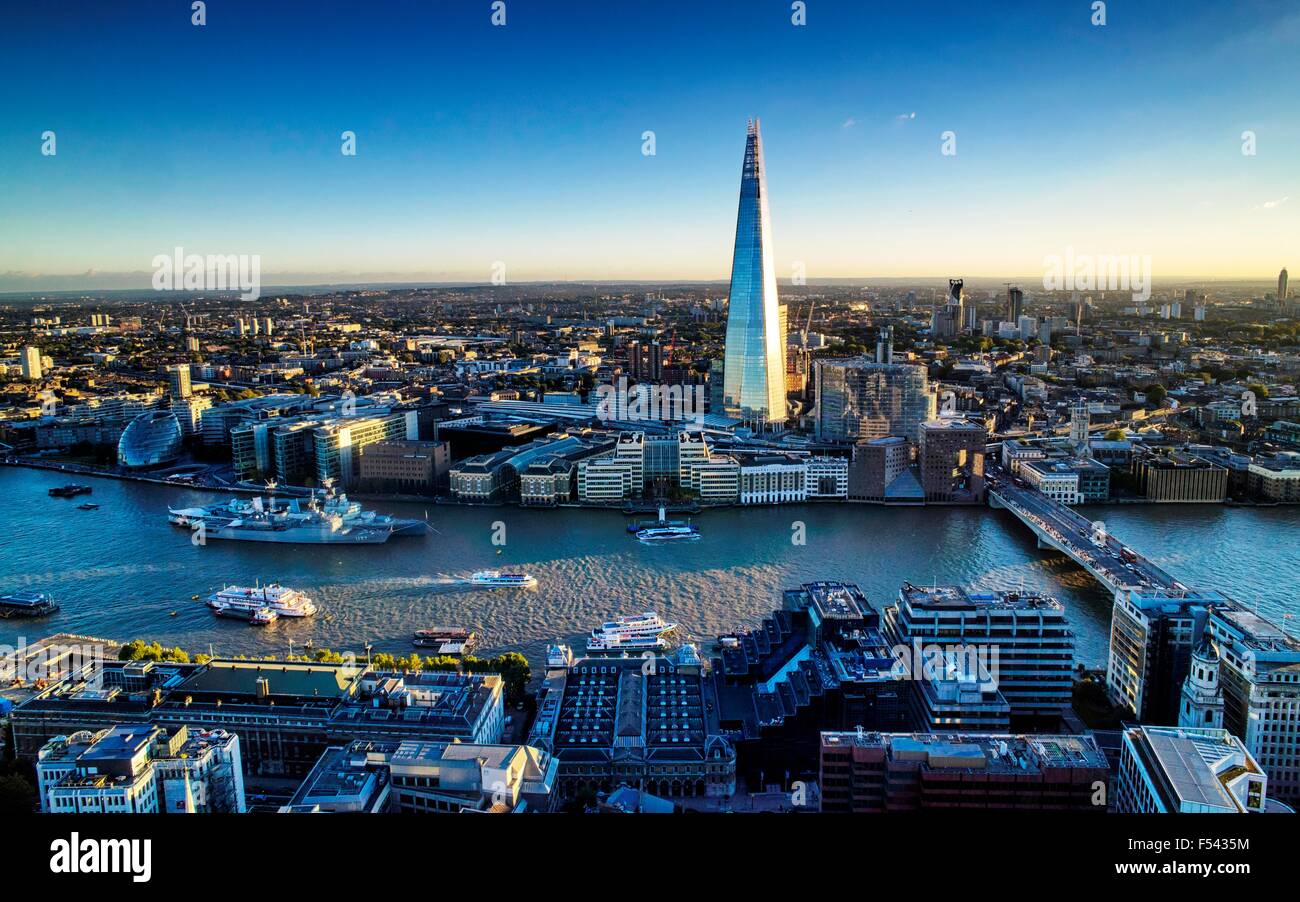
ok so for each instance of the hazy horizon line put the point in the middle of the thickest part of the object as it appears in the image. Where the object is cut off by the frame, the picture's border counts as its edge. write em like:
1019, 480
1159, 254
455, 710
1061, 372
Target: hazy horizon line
1026, 281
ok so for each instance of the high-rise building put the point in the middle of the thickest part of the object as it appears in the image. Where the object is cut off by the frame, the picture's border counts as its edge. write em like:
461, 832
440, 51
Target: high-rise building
859, 399
885, 345
645, 360
189, 412
178, 381
1177, 770
754, 370
1023, 640
1281, 287
1015, 304
1152, 637
951, 317
31, 362
339, 443
783, 329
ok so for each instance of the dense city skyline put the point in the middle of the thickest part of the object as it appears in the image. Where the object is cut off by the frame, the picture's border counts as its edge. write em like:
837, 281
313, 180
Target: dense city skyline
405, 411
1125, 138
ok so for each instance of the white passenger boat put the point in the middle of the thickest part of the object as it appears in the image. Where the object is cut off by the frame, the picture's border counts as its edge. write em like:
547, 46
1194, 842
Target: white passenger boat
500, 579
642, 632
241, 601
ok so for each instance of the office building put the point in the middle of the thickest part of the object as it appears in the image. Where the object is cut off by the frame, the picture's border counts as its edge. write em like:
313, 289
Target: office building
859, 399
427, 778
152, 439
952, 460
955, 693
1152, 637
1022, 639
1259, 681
339, 444
881, 472
820, 662
140, 768
1175, 477
827, 477
189, 413
405, 467
285, 713
218, 421
772, 478
865, 772
1068, 480
754, 364
1179, 770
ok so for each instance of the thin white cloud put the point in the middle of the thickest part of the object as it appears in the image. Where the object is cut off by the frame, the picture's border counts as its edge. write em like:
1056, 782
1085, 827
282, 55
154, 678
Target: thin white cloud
1273, 204
849, 122
906, 116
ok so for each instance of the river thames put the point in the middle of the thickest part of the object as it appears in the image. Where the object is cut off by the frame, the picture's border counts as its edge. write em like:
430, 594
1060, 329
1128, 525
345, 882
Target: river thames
123, 572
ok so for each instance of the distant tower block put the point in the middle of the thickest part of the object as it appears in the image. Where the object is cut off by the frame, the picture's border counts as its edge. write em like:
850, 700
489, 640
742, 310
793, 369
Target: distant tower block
885, 345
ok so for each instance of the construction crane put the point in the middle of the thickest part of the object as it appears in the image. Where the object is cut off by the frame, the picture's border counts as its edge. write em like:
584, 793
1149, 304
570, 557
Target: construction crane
807, 330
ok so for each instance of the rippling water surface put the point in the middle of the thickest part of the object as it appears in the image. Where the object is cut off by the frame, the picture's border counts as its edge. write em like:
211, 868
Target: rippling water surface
121, 571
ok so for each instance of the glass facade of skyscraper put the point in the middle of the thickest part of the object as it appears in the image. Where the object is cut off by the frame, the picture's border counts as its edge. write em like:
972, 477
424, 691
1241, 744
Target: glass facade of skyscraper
753, 368
859, 400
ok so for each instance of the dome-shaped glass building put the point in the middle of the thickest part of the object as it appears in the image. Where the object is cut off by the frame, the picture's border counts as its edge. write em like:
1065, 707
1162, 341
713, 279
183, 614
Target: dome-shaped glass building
150, 440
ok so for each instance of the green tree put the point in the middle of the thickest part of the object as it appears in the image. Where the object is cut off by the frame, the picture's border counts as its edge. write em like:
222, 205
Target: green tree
17, 795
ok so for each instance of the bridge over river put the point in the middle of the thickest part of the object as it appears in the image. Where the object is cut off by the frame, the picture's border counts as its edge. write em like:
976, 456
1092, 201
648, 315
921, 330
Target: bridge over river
1110, 561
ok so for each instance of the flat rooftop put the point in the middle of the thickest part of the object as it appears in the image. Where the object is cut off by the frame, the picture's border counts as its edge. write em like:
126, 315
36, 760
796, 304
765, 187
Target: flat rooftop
957, 598
1197, 764
1005, 753
327, 681
1260, 634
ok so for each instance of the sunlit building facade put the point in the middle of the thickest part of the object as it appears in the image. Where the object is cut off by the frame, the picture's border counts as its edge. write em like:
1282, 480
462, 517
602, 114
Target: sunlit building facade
754, 364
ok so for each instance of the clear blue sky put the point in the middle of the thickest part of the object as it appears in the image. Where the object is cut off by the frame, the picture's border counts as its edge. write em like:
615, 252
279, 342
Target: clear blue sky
523, 143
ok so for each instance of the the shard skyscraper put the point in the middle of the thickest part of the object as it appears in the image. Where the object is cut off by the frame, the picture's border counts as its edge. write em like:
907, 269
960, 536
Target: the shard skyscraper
753, 372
